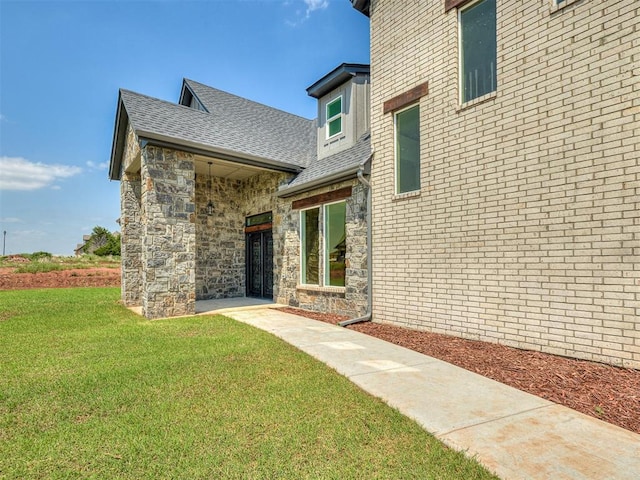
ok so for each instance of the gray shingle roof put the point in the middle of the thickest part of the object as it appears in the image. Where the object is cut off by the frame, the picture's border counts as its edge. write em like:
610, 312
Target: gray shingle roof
234, 125
330, 168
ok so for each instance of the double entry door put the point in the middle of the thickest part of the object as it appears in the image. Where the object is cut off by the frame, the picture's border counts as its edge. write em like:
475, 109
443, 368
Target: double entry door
260, 264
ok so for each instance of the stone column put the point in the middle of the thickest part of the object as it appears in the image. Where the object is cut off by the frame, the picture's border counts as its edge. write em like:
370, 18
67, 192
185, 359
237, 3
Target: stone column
169, 239
131, 239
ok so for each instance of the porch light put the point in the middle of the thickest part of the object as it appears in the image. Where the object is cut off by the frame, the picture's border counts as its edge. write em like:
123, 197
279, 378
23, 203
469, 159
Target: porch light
210, 204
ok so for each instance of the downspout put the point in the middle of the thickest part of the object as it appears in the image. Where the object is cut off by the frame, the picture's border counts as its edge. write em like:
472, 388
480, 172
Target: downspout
367, 316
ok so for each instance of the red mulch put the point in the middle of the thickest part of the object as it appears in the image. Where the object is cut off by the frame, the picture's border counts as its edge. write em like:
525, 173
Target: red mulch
83, 277
609, 393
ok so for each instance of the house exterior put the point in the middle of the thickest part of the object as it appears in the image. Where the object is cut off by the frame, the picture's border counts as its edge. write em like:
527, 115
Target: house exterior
224, 197
506, 176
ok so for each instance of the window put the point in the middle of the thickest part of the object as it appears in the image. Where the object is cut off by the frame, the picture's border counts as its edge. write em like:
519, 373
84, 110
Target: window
478, 49
333, 245
335, 250
309, 244
334, 117
407, 132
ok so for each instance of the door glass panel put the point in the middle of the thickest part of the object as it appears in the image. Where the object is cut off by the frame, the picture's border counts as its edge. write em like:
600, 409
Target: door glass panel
267, 266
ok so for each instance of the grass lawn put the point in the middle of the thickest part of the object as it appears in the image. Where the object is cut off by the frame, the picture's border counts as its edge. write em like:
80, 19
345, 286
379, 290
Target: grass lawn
89, 390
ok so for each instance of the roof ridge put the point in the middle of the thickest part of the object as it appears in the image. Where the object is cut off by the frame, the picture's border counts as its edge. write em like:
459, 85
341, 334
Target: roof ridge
167, 102
245, 99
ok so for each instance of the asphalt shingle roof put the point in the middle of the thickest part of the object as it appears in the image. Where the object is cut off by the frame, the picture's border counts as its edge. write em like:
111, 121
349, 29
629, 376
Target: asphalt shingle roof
345, 161
238, 127
233, 125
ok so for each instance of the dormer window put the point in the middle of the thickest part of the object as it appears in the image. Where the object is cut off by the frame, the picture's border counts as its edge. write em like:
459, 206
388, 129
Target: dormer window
334, 117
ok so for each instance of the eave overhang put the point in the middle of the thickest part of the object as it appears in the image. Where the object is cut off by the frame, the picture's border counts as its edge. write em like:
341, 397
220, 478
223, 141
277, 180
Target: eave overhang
362, 6
336, 77
150, 138
119, 139
147, 137
339, 176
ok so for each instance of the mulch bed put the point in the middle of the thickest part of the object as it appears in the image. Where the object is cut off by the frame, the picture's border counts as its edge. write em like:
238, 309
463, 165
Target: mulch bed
602, 391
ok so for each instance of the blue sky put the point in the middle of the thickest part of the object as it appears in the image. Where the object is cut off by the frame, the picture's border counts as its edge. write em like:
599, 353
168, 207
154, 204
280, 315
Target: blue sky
62, 62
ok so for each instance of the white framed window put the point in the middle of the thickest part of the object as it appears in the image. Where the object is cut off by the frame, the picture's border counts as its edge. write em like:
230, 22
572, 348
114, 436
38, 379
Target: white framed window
407, 149
334, 117
310, 246
477, 49
323, 241
335, 244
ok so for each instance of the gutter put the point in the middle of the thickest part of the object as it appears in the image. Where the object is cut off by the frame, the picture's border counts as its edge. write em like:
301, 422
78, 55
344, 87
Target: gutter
191, 147
367, 316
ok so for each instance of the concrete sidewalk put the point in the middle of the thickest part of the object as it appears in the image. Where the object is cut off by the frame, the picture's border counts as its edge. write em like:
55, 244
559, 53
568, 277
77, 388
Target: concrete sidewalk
512, 433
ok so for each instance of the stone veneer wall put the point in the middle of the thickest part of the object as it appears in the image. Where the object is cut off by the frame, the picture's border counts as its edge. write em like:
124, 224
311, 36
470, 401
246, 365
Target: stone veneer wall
526, 230
169, 233
350, 300
131, 224
220, 238
131, 239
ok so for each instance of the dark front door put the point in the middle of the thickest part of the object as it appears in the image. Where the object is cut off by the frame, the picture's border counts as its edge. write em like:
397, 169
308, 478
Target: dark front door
260, 264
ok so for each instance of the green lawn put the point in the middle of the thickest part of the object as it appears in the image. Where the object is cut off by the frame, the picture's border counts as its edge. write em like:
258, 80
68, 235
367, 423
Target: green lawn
89, 390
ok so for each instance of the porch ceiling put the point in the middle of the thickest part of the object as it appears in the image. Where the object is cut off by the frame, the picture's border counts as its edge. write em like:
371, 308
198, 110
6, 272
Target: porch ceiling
225, 168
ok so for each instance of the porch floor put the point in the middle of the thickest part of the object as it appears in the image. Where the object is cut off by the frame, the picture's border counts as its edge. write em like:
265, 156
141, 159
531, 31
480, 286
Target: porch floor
221, 305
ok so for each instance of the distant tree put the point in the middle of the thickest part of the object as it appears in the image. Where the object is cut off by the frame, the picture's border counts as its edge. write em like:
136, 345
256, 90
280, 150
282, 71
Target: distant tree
102, 242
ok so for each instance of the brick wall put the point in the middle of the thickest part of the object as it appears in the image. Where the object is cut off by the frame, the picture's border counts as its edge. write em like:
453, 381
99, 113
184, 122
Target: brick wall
526, 230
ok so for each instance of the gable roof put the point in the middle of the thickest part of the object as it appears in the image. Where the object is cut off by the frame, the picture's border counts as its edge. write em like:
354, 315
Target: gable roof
337, 77
233, 128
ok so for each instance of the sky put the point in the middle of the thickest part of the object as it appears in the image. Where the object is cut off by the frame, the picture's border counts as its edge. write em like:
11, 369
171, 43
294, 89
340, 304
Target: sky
62, 63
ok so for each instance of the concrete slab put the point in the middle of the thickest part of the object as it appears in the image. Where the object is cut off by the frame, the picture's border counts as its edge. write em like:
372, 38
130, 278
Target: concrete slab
512, 433
555, 443
443, 398
231, 304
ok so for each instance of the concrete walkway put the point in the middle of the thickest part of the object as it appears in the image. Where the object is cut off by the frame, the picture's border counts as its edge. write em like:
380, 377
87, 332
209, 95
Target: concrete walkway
512, 433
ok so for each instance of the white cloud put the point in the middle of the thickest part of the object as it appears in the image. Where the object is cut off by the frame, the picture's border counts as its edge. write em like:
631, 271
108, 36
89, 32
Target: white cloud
313, 5
97, 166
20, 174
10, 220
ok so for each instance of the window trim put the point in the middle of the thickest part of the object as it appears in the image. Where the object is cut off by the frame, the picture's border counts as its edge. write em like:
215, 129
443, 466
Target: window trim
461, 8
335, 117
302, 239
325, 263
396, 190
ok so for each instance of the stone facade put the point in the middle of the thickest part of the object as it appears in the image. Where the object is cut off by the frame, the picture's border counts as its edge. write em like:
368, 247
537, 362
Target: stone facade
220, 238
168, 232
131, 225
350, 300
526, 229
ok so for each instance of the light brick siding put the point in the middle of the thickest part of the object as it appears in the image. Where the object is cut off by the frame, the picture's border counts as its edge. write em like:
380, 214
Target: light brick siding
526, 230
